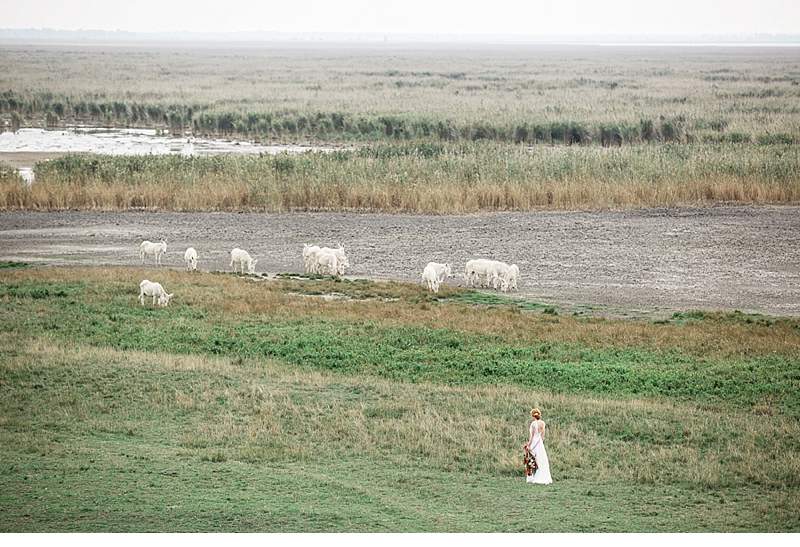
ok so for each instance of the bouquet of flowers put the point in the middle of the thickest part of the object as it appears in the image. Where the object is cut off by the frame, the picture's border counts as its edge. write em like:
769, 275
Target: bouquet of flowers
530, 463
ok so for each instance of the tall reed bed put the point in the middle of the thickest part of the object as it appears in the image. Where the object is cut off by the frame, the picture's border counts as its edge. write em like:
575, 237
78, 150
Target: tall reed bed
9, 175
209, 119
515, 94
420, 177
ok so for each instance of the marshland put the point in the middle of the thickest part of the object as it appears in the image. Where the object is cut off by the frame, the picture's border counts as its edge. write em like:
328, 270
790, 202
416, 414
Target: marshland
649, 195
436, 130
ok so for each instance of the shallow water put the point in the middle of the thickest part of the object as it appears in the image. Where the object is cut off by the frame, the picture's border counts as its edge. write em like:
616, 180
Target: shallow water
128, 142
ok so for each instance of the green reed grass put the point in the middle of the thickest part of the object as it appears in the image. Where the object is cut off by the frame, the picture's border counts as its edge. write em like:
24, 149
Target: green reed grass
420, 177
513, 94
9, 175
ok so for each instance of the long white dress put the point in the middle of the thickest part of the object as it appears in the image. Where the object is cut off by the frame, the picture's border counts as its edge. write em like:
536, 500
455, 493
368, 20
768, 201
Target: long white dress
542, 474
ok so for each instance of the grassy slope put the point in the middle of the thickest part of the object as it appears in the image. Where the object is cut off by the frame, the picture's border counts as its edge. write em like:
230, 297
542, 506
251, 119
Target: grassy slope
98, 434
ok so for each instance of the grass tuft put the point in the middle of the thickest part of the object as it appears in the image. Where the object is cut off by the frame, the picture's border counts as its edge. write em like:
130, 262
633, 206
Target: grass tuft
9, 264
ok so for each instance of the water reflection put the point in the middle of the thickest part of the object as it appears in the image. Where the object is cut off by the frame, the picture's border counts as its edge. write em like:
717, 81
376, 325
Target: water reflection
128, 141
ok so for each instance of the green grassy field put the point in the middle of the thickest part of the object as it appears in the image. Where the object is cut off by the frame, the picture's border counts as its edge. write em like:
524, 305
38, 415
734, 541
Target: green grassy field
256, 405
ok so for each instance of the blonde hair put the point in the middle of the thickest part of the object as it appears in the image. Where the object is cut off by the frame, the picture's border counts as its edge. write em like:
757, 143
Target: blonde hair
536, 413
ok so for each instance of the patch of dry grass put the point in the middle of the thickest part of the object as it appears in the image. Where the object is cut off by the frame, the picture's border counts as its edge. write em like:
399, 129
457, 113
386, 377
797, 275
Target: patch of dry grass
419, 177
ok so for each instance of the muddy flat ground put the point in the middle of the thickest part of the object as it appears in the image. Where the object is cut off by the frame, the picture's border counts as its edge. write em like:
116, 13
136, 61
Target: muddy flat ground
649, 262
26, 159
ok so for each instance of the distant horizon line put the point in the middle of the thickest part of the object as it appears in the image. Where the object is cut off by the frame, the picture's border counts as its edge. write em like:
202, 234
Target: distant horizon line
615, 38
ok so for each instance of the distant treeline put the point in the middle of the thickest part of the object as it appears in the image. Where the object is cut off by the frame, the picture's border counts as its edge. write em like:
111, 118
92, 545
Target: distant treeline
206, 119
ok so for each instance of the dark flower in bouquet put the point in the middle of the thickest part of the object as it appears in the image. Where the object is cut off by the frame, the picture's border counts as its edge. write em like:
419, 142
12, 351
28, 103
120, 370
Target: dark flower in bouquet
530, 463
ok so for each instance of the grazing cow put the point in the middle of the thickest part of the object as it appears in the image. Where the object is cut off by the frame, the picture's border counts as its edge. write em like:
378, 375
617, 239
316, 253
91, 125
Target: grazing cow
341, 259
328, 262
476, 272
190, 256
491, 273
243, 258
148, 288
512, 276
310, 258
312, 264
434, 275
496, 274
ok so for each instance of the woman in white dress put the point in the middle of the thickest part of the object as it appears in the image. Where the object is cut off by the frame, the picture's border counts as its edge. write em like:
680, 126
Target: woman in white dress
536, 445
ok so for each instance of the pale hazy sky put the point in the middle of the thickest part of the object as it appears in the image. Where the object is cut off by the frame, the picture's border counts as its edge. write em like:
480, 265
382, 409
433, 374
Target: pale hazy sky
529, 17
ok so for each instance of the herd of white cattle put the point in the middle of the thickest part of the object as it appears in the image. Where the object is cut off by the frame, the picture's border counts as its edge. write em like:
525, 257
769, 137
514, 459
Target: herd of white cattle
324, 260
479, 272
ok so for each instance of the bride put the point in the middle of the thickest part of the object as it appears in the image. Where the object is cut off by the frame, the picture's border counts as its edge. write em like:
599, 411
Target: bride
536, 446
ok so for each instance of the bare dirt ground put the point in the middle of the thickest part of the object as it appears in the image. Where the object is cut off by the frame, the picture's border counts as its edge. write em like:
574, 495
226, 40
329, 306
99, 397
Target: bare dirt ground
26, 159
644, 262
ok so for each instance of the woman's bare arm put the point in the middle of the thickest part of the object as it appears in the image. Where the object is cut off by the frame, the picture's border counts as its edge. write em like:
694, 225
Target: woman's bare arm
530, 438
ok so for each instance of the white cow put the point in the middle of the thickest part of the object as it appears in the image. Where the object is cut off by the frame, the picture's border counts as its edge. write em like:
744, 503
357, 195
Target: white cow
157, 250
148, 288
310, 258
476, 272
243, 258
190, 256
496, 275
430, 279
511, 278
327, 262
490, 273
341, 258
434, 275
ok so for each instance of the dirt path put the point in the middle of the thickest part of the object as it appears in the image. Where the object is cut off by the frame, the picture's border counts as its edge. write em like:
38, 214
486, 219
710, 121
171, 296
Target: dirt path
633, 262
